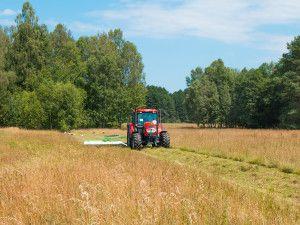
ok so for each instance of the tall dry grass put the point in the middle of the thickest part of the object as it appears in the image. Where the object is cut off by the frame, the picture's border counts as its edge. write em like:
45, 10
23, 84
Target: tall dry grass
273, 148
46, 177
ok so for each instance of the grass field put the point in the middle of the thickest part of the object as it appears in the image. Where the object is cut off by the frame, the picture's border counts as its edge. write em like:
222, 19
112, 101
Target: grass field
209, 176
271, 148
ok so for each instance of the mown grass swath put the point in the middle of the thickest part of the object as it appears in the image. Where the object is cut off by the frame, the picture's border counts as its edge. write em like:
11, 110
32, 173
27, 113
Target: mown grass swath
270, 148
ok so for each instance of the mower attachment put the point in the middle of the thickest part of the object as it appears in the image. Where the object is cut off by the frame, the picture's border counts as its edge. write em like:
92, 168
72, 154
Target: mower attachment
102, 143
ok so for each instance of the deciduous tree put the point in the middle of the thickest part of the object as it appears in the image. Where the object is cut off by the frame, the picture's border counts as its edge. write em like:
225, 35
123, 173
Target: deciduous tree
29, 48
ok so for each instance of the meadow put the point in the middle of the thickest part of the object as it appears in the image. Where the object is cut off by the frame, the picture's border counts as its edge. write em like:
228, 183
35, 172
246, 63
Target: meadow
209, 176
271, 148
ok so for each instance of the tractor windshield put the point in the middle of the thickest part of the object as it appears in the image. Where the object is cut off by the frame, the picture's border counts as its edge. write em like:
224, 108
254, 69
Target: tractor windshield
147, 117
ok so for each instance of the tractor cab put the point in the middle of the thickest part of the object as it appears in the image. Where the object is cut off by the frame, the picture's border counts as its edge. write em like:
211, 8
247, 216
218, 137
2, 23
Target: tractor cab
147, 117
145, 127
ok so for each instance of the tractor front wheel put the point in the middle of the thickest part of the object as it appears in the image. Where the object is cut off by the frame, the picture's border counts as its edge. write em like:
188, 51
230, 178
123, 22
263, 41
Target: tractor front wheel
165, 140
136, 142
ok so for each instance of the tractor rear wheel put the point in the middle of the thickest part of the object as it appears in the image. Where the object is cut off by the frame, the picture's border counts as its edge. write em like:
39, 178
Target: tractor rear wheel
165, 140
136, 141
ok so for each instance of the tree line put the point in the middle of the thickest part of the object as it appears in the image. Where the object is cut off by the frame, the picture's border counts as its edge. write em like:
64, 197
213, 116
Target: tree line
49, 80
219, 96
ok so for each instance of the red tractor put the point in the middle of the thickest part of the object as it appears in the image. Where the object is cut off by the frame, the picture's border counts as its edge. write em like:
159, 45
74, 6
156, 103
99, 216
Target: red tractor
146, 128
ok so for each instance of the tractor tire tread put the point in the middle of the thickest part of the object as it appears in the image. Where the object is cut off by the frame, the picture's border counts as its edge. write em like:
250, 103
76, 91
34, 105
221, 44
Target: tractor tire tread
137, 141
165, 140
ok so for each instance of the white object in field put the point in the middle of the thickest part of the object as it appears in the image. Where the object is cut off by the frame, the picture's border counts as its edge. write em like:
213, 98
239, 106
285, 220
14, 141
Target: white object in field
97, 143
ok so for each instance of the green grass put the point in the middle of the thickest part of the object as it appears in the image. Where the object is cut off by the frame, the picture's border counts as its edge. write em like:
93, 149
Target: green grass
96, 135
114, 137
287, 170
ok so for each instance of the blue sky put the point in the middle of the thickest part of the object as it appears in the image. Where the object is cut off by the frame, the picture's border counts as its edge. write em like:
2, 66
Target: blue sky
176, 36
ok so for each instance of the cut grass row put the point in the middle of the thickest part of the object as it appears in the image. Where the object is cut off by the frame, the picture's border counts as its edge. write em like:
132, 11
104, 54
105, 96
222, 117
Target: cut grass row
251, 176
271, 148
258, 162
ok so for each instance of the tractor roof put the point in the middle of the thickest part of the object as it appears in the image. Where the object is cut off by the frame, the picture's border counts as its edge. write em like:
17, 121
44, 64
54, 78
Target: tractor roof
143, 110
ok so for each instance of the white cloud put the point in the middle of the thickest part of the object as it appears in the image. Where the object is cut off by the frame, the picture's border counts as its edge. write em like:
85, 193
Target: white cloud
8, 12
275, 43
6, 22
82, 27
229, 21
75, 26
51, 22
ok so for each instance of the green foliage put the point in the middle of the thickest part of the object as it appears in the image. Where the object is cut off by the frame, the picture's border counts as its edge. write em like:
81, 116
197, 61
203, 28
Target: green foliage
160, 98
49, 80
95, 81
288, 75
223, 77
203, 101
265, 97
133, 76
289, 99
290, 61
29, 48
25, 110
246, 103
65, 64
7, 78
211, 92
195, 74
63, 105
114, 78
225, 102
179, 101
104, 83
4, 43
